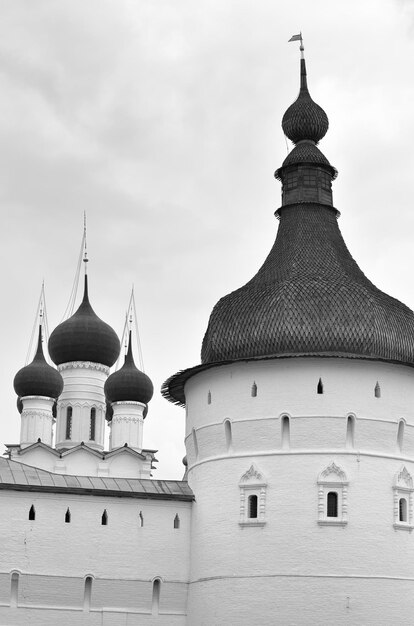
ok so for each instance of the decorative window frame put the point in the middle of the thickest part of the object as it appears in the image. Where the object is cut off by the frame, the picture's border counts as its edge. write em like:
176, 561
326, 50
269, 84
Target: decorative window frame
403, 488
252, 483
332, 478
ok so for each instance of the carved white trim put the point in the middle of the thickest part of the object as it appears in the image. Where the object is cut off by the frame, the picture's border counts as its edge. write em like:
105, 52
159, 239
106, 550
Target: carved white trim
403, 488
332, 478
128, 402
37, 413
99, 367
252, 483
37, 398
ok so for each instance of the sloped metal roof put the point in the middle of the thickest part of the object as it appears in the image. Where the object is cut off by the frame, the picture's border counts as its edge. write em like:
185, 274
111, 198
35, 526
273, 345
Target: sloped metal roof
19, 477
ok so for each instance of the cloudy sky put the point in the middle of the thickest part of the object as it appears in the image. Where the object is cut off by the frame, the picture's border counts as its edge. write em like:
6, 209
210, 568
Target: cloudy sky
161, 119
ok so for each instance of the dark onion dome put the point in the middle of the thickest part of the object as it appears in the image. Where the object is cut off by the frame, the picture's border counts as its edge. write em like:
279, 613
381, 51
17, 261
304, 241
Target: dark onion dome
129, 383
84, 337
38, 378
19, 404
304, 119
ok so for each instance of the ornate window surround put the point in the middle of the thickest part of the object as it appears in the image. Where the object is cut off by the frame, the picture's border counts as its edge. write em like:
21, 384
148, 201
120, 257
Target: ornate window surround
252, 483
403, 488
332, 478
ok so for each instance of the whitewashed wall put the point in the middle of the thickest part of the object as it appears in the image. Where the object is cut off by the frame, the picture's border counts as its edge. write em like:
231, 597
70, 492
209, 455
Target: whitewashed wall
292, 570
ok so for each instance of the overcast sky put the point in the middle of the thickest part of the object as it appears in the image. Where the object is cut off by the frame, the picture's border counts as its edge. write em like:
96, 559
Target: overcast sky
161, 119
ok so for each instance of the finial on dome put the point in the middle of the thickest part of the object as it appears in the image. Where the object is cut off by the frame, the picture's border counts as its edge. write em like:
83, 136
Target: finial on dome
85, 249
304, 119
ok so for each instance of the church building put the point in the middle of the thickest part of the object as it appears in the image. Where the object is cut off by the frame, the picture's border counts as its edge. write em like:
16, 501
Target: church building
296, 507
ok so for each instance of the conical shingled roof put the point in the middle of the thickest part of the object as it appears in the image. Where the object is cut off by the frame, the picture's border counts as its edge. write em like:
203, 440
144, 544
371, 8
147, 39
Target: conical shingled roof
38, 378
309, 298
84, 337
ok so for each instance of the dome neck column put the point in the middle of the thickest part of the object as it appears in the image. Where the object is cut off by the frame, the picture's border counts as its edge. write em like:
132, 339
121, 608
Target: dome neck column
81, 406
36, 420
127, 425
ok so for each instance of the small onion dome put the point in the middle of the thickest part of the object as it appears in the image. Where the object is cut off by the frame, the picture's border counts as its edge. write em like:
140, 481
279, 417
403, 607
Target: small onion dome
129, 383
38, 378
109, 412
304, 119
84, 337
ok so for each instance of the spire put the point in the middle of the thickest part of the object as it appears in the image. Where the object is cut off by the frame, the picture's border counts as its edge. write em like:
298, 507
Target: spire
304, 119
85, 248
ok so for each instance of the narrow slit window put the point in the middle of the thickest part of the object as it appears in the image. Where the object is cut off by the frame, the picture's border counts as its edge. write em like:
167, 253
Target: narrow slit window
195, 443
67, 516
285, 432
254, 390
332, 504
402, 510
319, 388
32, 513
87, 593
252, 504
228, 434
69, 412
377, 390
92, 424
104, 519
141, 519
350, 431
209, 397
156, 592
400, 435
176, 521
14, 589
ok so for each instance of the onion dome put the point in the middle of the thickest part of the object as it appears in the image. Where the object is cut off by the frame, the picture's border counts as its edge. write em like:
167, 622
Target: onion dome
84, 337
38, 378
129, 383
309, 298
304, 119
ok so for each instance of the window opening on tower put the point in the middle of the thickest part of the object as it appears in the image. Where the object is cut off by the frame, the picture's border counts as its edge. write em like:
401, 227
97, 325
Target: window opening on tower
92, 424
319, 388
332, 504
69, 412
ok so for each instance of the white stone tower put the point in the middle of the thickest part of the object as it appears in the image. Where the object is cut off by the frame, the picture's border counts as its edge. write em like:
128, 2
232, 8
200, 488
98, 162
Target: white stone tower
300, 426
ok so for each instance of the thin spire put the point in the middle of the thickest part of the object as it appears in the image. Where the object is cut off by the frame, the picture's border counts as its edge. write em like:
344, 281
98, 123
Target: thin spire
40, 322
82, 257
130, 320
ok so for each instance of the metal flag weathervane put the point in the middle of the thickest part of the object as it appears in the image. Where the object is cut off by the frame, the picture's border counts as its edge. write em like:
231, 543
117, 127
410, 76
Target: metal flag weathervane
298, 38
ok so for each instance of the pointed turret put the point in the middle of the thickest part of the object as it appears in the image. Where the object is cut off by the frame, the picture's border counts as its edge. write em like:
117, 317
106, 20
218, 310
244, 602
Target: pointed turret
309, 298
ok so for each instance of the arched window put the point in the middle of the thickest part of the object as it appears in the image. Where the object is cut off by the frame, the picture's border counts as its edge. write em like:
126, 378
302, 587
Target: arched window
156, 592
104, 519
350, 431
32, 513
319, 388
252, 506
176, 521
332, 504
209, 397
285, 432
69, 412
377, 390
400, 435
67, 516
403, 500
402, 510
87, 594
332, 496
228, 434
14, 589
140, 520
92, 424
254, 390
